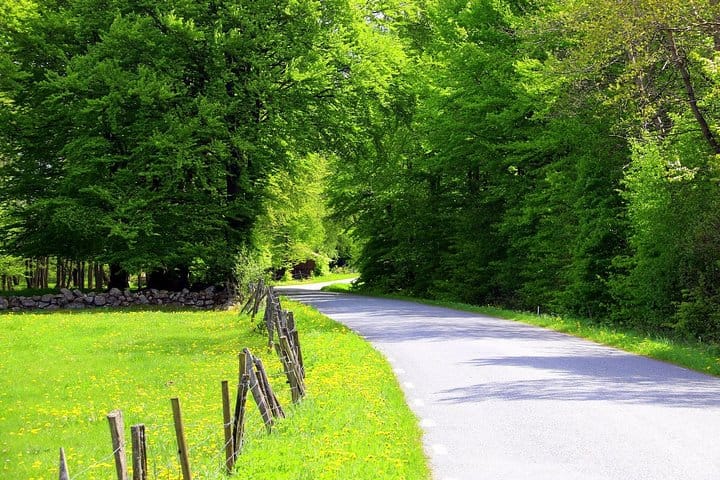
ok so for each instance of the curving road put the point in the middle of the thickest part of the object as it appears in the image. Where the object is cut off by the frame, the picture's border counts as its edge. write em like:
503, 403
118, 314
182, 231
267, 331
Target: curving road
499, 400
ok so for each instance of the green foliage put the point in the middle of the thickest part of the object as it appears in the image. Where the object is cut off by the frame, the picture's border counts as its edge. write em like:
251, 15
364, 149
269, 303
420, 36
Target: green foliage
546, 154
11, 266
292, 228
673, 202
146, 134
553, 153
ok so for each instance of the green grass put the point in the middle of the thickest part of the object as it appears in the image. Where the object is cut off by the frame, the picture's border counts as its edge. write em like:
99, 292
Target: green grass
330, 277
340, 288
61, 373
698, 356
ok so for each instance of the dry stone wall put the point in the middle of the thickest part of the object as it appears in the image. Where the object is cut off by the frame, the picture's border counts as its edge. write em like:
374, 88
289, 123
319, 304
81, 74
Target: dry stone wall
75, 299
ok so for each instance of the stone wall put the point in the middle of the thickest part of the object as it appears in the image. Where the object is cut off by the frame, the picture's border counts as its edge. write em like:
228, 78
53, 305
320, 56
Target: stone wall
75, 299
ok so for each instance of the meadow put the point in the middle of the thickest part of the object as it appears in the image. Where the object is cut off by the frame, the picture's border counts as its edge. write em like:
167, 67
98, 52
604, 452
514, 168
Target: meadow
61, 373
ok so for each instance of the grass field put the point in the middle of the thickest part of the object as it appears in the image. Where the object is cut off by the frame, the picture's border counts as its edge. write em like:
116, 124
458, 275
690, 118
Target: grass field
702, 357
61, 373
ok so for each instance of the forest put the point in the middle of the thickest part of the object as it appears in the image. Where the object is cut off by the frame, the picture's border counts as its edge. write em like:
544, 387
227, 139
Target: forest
560, 155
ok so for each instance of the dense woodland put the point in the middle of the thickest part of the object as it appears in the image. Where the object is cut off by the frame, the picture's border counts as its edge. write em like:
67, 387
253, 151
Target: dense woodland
560, 154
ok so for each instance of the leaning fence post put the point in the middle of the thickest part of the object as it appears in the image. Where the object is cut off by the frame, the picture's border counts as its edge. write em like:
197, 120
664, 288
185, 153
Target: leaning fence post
270, 396
64, 474
257, 391
182, 444
292, 370
117, 432
139, 452
227, 427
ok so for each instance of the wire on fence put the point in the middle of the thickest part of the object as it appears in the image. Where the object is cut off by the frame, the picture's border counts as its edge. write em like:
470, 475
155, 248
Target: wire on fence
94, 465
275, 321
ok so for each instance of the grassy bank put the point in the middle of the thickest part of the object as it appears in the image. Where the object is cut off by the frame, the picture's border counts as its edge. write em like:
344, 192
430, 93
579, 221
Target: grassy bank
61, 374
330, 277
698, 356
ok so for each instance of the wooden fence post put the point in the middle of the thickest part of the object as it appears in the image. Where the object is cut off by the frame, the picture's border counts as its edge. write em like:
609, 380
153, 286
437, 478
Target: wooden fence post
290, 364
257, 392
261, 292
117, 432
182, 444
64, 474
295, 341
272, 399
139, 452
268, 319
227, 428
239, 422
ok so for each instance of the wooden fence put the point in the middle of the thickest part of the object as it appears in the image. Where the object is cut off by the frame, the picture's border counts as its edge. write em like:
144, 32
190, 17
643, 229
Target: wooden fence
253, 379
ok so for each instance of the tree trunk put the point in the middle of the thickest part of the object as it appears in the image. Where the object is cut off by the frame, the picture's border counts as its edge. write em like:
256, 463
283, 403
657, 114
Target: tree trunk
29, 274
99, 276
716, 28
58, 273
119, 278
173, 279
680, 61
643, 85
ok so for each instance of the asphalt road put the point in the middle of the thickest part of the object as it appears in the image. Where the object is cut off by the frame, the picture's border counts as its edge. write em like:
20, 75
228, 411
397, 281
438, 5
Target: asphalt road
499, 400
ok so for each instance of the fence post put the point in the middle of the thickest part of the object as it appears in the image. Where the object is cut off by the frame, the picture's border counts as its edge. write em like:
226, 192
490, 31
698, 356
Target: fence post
139, 452
295, 337
272, 399
117, 432
258, 297
64, 474
227, 427
239, 422
268, 319
182, 444
292, 370
257, 392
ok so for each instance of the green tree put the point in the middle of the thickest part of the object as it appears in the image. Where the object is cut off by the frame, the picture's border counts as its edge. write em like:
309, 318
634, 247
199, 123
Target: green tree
145, 132
292, 228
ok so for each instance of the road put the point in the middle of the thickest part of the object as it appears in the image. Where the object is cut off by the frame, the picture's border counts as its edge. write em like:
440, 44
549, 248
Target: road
499, 400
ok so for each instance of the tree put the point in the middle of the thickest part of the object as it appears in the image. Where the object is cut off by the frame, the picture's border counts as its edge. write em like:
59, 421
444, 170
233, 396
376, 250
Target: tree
291, 230
145, 133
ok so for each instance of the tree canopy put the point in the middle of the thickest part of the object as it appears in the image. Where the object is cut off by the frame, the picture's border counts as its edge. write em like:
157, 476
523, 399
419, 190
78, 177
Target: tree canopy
560, 154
